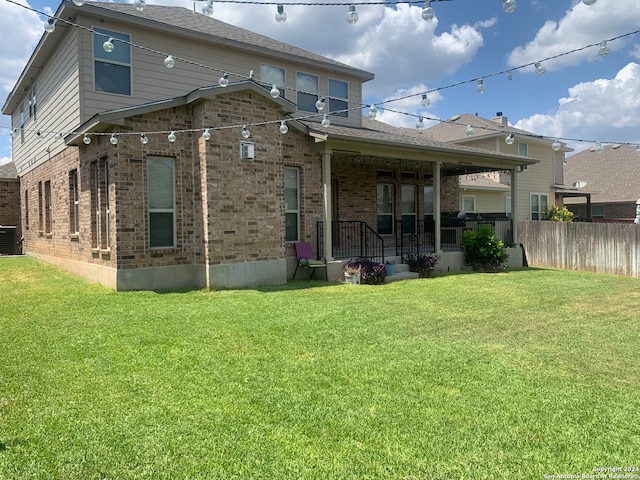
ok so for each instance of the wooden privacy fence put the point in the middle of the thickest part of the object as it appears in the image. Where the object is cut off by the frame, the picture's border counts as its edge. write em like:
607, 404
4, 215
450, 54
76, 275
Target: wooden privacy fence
594, 247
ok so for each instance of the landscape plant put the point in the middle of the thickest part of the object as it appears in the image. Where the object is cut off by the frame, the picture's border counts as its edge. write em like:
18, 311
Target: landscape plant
483, 251
555, 213
422, 263
371, 273
461, 376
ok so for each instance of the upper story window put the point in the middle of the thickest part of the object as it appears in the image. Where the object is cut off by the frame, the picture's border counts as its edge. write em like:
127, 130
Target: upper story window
307, 87
32, 103
523, 149
338, 98
273, 76
112, 70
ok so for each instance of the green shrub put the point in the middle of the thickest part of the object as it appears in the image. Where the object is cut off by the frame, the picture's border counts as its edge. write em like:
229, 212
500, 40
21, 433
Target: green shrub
483, 251
555, 213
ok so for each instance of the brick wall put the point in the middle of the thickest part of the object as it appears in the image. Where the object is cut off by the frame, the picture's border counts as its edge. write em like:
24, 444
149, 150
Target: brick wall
9, 201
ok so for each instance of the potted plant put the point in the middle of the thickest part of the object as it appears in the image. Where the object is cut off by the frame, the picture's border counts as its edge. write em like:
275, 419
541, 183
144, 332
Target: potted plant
352, 274
423, 264
389, 267
369, 272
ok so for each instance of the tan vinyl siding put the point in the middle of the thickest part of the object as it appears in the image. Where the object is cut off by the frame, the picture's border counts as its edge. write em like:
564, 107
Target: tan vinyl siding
487, 201
58, 107
152, 81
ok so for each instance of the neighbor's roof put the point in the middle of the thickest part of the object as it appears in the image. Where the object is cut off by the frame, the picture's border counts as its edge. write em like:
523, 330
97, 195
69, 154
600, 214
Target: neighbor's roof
613, 175
478, 181
8, 170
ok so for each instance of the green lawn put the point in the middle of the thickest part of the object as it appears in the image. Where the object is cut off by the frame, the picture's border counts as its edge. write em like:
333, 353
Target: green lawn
511, 375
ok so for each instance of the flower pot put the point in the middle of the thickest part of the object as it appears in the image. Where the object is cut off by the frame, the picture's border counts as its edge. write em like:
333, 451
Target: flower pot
389, 269
353, 278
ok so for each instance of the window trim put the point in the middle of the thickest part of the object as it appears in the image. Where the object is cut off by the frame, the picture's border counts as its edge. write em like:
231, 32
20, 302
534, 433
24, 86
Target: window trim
295, 211
298, 91
74, 203
539, 212
98, 34
172, 210
391, 202
475, 206
520, 147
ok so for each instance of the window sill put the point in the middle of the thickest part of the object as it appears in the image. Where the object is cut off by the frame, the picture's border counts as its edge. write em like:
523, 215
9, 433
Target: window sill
74, 237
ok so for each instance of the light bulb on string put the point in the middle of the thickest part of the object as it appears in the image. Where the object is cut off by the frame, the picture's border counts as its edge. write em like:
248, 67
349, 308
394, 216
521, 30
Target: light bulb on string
275, 91
480, 86
588, 2
108, 45
281, 15
509, 75
224, 80
172, 137
510, 139
144, 139
427, 12
113, 139
352, 15
320, 104
12, 133
420, 123
373, 112
599, 147
140, 5
556, 145
39, 135
604, 49
86, 139
638, 149
425, 102
325, 120
245, 132
58, 136
540, 70
206, 134
283, 127
509, 6
469, 130
169, 62
208, 8
49, 25
78, 3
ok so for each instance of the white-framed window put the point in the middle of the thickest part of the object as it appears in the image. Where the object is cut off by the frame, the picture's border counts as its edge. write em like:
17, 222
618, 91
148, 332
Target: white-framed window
74, 210
307, 87
523, 149
428, 200
384, 203
271, 75
469, 203
539, 203
507, 205
161, 180
100, 230
47, 207
292, 204
22, 121
409, 208
32, 103
112, 70
40, 208
26, 209
338, 98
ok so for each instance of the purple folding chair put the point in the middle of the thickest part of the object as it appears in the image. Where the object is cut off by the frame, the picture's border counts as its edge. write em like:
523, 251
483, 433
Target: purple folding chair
306, 260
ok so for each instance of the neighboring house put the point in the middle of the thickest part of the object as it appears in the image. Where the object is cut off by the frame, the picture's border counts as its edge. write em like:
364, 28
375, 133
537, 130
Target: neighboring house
539, 185
9, 209
112, 193
613, 179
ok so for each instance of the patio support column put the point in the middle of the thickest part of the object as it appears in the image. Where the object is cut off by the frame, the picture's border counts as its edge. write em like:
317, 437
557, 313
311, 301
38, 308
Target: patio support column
514, 207
436, 206
327, 219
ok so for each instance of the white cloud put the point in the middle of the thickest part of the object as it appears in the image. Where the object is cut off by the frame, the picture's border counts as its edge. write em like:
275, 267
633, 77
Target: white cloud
582, 25
606, 110
4, 160
395, 113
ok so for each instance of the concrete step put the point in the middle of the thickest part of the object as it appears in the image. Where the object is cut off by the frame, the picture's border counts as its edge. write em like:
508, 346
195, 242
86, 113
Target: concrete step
401, 276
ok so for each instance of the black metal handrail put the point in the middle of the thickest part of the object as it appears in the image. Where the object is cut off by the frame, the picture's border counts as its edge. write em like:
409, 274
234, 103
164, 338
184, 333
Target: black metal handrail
415, 236
352, 239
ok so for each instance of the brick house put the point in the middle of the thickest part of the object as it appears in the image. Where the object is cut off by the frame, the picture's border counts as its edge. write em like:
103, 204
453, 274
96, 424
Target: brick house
10, 231
140, 176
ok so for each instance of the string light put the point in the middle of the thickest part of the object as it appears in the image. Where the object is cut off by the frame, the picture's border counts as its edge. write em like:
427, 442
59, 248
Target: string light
509, 75
427, 12
172, 137
86, 139
352, 15
556, 145
638, 149
510, 139
420, 123
169, 62
78, 3
275, 91
509, 6
113, 139
143, 139
49, 25
140, 5
58, 136
325, 120
206, 135
283, 127
604, 49
480, 86
39, 135
425, 102
224, 80
540, 70
281, 15
588, 2
108, 46
469, 130
208, 8
599, 147
245, 132
320, 104
373, 112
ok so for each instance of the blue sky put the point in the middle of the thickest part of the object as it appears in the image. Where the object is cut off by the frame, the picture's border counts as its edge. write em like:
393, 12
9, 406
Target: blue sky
581, 96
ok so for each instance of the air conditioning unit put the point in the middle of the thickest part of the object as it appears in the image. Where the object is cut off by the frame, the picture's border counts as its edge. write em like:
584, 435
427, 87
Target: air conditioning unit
247, 151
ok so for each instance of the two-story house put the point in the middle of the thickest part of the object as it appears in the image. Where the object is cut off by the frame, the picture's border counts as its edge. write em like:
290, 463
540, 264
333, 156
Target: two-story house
539, 185
164, 148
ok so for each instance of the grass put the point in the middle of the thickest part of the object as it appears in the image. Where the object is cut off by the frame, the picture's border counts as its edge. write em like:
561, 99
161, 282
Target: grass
511, 375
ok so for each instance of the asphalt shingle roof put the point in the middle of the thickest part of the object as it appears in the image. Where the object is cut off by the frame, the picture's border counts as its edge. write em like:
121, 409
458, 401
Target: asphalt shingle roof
455, 129
8, 170
612, 176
